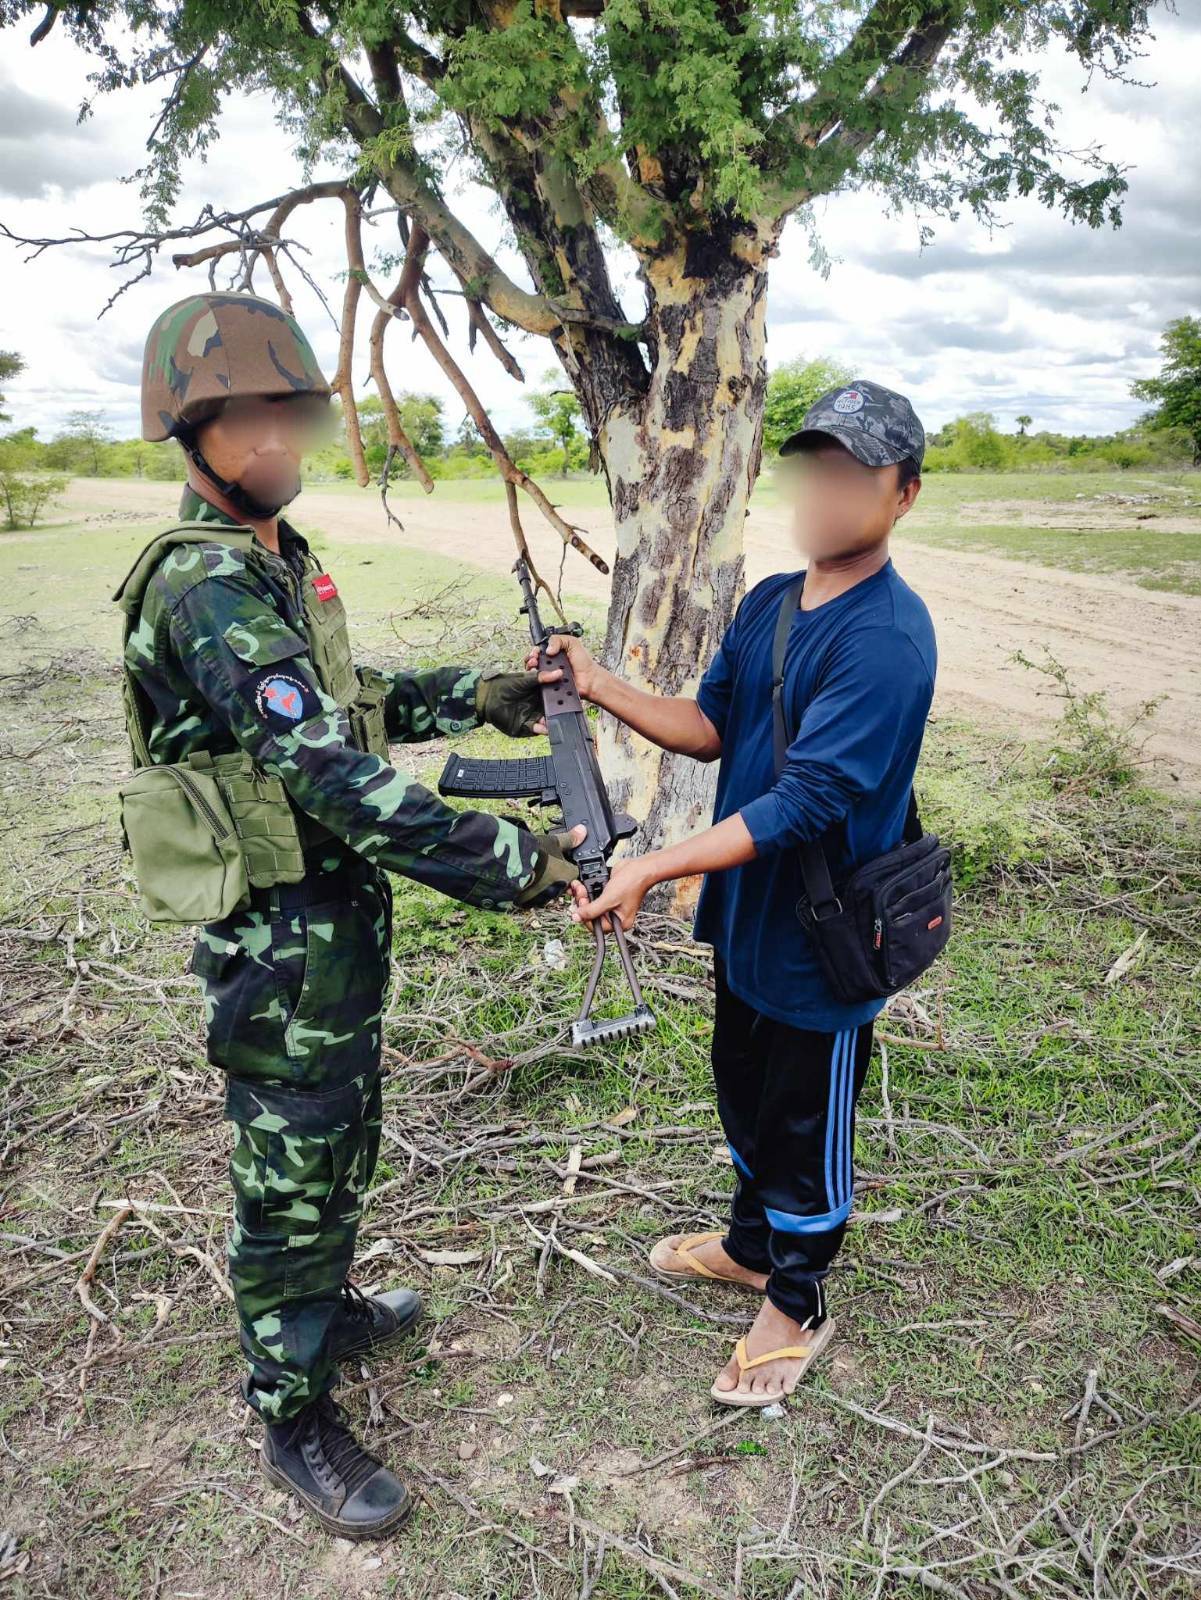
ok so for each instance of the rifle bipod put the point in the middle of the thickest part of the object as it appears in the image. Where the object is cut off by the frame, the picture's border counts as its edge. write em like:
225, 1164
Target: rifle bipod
586, 1030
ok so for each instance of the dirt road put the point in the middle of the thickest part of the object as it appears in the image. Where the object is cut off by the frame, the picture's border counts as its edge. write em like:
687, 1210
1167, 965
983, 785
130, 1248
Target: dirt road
1135, 644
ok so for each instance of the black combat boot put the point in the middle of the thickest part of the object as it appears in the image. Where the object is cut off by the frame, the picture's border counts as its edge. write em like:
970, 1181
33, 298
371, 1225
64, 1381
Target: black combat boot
365, 1324
315, 1456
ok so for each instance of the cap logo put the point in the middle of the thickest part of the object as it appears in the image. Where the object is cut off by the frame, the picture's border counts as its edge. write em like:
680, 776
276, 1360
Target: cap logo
848, 401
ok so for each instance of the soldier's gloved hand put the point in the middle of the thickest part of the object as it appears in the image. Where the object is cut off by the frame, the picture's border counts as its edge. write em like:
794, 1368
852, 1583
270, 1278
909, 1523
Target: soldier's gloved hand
510, 701
555, 868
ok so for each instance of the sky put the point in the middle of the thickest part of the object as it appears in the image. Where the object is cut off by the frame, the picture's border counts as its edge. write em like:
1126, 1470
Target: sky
1037, 317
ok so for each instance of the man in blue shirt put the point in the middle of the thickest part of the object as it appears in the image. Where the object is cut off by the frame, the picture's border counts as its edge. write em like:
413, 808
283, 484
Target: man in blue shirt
788, 1058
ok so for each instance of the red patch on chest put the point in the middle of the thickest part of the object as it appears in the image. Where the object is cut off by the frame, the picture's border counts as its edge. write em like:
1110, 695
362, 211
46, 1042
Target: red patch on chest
324, 586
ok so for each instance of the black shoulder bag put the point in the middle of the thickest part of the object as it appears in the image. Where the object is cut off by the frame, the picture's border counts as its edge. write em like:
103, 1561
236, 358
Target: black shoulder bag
881, 926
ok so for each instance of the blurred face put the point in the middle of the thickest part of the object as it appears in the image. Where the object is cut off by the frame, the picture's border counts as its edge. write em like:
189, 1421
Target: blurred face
258, 443
841, 508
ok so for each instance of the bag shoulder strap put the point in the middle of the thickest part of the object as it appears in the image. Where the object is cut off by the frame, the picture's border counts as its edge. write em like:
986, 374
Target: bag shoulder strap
815, 867
788, 604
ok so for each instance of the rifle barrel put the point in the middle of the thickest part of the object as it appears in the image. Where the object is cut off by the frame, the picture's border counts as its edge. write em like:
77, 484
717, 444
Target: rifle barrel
538, 634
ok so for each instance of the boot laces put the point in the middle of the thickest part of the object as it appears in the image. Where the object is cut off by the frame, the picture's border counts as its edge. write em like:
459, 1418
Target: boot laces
345, 1455
356, 1304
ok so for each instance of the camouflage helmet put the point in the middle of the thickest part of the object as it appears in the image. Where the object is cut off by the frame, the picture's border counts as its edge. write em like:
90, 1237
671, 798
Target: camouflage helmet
211, 347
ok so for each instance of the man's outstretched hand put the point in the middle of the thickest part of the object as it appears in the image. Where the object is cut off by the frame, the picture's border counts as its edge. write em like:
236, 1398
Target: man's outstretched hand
622, 896
556, 869
587, 673
511, 701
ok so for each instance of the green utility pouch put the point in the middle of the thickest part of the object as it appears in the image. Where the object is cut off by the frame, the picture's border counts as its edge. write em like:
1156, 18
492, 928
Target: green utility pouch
266, 824
366, 713
181, 836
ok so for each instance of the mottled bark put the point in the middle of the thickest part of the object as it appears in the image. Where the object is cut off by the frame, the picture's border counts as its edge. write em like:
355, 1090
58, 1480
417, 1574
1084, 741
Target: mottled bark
682, 461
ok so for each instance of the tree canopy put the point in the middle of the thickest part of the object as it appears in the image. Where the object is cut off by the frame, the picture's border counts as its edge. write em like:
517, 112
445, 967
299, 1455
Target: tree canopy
791, 389
11, 365
1178, 387
689, 129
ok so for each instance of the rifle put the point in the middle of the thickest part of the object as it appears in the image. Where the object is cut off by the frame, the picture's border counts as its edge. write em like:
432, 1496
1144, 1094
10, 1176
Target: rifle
570, 778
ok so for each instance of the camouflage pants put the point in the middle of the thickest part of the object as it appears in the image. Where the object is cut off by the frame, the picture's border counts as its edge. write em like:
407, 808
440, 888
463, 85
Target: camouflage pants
293, 998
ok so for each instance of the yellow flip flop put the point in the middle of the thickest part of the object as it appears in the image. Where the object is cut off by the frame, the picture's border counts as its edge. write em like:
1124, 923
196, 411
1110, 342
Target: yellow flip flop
665, 1253
806, 1354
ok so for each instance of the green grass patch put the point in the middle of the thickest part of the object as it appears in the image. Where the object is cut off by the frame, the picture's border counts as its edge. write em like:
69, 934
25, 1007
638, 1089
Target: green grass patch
1012, 1396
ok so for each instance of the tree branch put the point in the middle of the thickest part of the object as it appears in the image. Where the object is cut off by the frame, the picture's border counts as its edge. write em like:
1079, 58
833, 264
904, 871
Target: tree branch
536, 313
836, 140
505, 465
398, 439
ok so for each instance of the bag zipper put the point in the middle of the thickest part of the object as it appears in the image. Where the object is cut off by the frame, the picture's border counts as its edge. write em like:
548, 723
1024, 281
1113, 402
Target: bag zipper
218, 828
878, 933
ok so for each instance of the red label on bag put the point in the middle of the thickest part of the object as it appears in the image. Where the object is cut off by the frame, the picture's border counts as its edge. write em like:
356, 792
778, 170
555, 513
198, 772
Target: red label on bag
934, 923
324, 587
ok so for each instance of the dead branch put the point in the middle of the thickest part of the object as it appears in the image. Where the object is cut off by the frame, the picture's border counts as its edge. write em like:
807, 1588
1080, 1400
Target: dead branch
342, 382
88, 1275
505, 465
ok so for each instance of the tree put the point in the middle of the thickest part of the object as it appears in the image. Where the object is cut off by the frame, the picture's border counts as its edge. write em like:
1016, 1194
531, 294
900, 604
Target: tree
1023, 423
11, 365
558, 410
25, 498
468, 439
24, 489
80, 446
1178, 386
688, 131
791, 390
970, 441
420, 416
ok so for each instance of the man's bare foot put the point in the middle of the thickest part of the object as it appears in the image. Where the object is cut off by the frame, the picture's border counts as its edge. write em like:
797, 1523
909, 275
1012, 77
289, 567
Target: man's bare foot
686, 1255
771, 1330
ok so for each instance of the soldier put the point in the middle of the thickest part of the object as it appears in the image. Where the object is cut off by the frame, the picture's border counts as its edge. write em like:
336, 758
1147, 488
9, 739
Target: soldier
240, 680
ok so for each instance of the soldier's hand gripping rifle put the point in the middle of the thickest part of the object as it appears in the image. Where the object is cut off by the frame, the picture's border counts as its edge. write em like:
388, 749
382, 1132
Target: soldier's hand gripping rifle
570, 778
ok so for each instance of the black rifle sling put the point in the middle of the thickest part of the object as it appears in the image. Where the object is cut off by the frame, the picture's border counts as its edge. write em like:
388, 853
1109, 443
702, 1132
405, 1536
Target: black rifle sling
815, 868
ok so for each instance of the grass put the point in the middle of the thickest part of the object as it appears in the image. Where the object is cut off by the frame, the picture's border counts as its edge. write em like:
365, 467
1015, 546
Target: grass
1024, 1248
1095, 522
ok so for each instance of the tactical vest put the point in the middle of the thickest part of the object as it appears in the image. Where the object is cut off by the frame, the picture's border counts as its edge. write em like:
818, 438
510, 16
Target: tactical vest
272, 832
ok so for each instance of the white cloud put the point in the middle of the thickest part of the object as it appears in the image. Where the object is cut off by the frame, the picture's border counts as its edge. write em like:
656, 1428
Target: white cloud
1000, 321
1039, 317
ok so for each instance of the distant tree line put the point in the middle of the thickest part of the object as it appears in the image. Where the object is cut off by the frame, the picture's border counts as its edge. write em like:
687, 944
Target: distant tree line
33, 471
1167, 436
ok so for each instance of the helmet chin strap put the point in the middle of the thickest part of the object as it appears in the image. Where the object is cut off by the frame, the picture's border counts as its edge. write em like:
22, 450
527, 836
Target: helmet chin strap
248, 504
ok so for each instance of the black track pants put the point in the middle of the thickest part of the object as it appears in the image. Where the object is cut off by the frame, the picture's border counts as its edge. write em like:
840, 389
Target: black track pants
786, 1097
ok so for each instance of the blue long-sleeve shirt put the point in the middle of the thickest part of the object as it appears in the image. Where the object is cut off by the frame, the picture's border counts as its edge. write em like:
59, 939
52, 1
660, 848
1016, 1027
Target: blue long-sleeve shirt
858, 681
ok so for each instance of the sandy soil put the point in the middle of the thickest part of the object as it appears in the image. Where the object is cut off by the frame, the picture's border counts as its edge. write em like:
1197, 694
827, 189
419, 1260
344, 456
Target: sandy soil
1135, 644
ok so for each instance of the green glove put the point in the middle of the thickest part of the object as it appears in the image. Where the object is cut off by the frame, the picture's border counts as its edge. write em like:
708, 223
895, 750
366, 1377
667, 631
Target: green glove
554, 872
510, 701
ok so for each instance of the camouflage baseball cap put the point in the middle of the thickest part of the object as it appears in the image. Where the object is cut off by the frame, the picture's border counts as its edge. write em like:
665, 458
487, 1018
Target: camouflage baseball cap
211, 347
877, 425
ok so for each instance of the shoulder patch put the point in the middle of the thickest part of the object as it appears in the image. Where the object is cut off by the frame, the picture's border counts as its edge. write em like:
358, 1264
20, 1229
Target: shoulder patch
282, 699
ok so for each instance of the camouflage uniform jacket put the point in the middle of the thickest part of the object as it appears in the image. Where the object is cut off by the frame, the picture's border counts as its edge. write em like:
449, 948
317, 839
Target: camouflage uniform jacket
220, 651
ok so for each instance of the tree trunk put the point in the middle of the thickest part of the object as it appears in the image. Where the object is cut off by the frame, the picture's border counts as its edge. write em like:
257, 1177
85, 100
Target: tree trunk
681, 463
